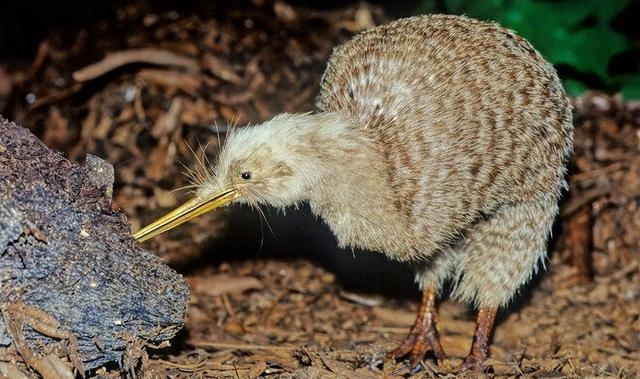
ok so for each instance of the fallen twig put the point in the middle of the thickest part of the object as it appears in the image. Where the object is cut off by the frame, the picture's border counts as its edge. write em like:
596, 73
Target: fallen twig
584, 176
151, 55
187, 82
238, 346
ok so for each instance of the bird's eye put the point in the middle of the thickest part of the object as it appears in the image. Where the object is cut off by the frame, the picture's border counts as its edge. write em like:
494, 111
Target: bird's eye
246, 175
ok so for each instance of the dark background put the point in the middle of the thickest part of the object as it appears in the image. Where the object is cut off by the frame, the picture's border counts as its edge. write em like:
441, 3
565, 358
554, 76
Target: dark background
24, 23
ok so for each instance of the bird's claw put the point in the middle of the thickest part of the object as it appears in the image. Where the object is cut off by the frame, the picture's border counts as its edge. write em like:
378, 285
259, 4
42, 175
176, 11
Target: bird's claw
418, 343
423, 336
472, 364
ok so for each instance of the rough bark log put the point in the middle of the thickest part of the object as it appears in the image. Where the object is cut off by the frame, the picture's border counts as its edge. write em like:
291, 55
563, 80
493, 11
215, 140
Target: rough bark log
65, 251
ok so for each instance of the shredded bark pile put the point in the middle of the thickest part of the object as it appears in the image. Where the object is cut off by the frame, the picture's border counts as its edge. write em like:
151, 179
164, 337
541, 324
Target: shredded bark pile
67, 254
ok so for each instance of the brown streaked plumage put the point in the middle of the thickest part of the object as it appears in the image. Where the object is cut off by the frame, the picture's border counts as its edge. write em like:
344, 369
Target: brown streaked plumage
438, 140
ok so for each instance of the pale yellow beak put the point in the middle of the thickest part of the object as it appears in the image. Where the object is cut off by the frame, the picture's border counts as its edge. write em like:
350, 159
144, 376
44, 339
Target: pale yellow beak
187, 211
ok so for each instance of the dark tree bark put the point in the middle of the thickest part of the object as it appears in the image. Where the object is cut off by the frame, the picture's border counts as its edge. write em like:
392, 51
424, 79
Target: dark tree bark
65, 251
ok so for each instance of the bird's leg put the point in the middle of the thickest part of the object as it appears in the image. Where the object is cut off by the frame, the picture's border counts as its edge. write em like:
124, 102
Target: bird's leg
423, 335
480, 345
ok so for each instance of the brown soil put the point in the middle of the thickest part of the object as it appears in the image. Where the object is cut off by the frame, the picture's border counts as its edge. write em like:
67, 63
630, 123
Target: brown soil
275, 299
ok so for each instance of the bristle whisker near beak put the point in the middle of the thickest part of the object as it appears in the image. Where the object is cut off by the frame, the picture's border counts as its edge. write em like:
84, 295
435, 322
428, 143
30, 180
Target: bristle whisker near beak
193, 177
191, 187
263, 217
200, 172
187, 211
218, 149
205, 157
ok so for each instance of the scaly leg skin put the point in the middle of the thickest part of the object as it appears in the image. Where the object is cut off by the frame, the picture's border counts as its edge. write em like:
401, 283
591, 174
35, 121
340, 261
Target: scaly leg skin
498, 256
423, 335
480, 346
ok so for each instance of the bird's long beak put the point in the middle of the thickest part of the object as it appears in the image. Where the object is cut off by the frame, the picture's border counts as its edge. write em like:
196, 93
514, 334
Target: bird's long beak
190, 209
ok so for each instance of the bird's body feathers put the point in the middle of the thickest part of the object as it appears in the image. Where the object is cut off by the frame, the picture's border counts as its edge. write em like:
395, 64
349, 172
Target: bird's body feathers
471, 124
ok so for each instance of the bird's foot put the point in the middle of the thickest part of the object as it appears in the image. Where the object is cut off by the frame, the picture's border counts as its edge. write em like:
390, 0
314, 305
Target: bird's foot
472, 364
417, 344
423, 336
480, 346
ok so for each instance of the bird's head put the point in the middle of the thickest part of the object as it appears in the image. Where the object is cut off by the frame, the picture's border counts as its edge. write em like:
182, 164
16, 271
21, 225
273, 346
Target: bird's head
275, 163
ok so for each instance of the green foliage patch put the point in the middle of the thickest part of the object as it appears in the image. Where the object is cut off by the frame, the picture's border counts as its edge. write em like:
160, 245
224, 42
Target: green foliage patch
575, 33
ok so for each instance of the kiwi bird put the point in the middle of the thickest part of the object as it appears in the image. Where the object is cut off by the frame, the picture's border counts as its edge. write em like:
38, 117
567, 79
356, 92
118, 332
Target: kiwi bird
437, 140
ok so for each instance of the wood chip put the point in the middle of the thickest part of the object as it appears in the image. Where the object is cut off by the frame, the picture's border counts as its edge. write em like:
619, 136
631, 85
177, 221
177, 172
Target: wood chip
223, 284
